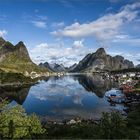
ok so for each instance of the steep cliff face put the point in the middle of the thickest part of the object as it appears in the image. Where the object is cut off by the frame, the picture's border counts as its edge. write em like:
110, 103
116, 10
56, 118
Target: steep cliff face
71, 68
101, 61
16, 58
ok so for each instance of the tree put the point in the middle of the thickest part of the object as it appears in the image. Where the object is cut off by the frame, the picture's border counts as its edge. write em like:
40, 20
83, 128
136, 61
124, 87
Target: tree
112, 126
14, 123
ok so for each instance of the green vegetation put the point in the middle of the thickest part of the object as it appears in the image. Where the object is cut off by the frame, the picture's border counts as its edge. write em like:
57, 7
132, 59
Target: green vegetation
14, 78
18, 67
137, 85
14, 123
133, 123
7, 43
137, 88
1, 70
16, 59
111, 126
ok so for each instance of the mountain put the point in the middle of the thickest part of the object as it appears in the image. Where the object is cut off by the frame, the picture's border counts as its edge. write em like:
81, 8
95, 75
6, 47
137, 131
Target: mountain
46, 65
17, 94
53, 67
71, 68
138, 66
99, 61
16, 59
58, 67
96, 84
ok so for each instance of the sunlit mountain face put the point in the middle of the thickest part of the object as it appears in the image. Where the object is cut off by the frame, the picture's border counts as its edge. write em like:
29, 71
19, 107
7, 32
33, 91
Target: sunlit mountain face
61, 98
65, 31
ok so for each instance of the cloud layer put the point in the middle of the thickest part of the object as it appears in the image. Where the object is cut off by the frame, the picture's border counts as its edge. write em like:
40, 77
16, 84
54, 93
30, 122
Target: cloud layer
108, 28
40, 24
104, 28
59, 53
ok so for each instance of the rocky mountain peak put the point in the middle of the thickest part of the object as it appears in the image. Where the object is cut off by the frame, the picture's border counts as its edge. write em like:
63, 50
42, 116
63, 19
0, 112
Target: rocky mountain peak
20, 44
10, 53
21, 48
99, 61
119, 57
100, 51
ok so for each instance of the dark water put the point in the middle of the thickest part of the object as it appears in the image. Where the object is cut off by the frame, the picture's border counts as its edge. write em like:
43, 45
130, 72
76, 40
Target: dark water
65, 97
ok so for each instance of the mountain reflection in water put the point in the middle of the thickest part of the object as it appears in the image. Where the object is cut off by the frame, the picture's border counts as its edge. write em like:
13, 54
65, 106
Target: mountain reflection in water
96, 84
17, 94
64, 97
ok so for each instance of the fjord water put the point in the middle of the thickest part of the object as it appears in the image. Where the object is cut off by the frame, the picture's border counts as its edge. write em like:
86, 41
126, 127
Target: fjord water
65, 97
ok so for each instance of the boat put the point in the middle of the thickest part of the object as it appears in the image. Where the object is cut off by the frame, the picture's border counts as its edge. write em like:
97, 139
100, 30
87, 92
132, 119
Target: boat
115, 96
116, 99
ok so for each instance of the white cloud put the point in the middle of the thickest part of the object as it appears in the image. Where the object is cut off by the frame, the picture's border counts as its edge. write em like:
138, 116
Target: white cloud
58, 24
59, 53
3, 33
104, 28
37, 20
78, 43
127, 40
40, 24
122, 36
132, 6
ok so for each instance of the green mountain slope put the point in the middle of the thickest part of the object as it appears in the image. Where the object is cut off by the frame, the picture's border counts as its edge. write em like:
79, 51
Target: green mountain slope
16, 59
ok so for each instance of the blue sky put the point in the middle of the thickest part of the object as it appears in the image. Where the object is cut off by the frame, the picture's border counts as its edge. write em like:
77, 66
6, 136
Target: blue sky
64, 31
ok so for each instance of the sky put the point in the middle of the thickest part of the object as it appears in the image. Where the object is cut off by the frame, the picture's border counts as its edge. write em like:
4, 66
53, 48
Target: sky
64, 31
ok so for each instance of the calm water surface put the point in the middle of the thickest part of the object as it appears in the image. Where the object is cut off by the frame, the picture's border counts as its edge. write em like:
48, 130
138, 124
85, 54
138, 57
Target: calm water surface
65, 97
